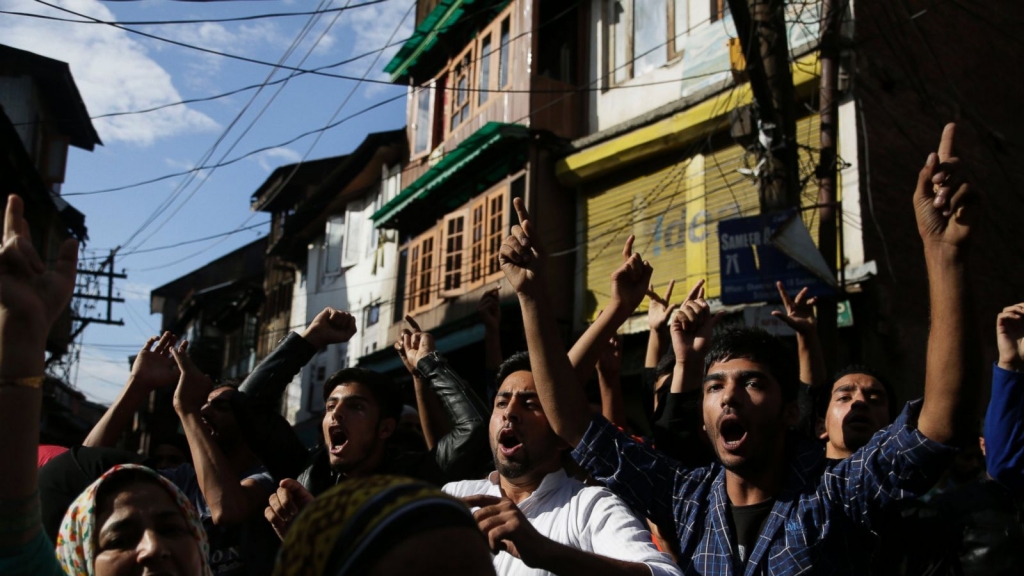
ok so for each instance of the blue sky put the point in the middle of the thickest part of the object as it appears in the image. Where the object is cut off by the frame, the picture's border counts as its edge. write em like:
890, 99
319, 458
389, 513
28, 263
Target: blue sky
117, 71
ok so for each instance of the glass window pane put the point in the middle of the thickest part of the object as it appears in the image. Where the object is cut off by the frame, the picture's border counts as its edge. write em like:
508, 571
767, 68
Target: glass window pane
650, 31
620, 55
503, 54
335, 233
682, 23
485, 69
422, 127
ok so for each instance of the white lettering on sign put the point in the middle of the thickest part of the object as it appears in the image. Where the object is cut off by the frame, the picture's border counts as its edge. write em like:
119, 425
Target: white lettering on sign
732, 264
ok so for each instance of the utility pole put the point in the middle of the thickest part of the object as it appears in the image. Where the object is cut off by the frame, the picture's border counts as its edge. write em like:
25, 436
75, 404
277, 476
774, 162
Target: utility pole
104, 271
831, 19
761, 26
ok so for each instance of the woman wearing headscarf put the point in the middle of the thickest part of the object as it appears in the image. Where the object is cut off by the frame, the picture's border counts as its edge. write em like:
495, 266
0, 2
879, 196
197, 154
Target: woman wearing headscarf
379, 525
132, 516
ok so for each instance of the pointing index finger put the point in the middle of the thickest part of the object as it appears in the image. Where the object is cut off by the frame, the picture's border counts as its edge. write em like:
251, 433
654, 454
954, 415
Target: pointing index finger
521, 211
695, 291
946, 144
412, 323
668, 292
627, 248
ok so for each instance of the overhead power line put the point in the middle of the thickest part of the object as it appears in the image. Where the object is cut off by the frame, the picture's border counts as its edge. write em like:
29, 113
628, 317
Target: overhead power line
179, 244
212, 51
196, 21
259, 115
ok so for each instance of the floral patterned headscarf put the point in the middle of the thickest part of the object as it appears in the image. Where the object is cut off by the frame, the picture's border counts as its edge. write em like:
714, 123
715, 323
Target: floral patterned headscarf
76, 543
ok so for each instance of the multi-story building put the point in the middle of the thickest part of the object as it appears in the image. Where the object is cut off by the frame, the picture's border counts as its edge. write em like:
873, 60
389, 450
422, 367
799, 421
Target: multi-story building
41, 115
215, 307
494, 95
323, 242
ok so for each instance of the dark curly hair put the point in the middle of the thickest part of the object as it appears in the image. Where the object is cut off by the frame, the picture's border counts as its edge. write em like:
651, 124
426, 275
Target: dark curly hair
756, 345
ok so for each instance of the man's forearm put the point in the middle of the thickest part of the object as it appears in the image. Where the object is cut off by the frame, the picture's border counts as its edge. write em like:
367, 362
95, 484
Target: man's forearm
568, 561
561, 393
584, 353
948, 398
687, 375
612, 406
217, 480
431, 412
812, 360
492, 348
654, 349
118, 417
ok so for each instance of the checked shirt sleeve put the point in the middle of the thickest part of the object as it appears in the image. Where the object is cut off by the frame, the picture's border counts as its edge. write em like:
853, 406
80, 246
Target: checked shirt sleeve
647, 481
898, 463
1004, 429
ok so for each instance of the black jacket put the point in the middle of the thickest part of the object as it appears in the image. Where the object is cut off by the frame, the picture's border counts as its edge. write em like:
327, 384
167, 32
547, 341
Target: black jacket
271, 437
457, 455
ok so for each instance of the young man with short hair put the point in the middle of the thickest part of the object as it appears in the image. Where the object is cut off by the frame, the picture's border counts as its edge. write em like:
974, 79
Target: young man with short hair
536, 517
362, 412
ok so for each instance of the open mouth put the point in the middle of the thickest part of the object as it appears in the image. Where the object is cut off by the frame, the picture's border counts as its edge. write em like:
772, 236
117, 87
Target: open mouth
337, 439
508, 442
858, 420
732, 432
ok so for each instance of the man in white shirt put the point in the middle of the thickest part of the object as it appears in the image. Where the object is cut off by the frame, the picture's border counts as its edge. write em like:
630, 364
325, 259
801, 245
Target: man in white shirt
538, 519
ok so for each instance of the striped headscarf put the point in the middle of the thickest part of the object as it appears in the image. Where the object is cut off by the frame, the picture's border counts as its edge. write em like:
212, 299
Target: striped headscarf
354, 523
76, 543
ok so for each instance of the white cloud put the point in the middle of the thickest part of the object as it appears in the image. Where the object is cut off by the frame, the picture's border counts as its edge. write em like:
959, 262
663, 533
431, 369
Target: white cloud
282, 155
373, 28
113, 71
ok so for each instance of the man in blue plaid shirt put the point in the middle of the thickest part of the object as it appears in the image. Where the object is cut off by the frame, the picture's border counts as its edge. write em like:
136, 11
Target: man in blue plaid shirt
769, 505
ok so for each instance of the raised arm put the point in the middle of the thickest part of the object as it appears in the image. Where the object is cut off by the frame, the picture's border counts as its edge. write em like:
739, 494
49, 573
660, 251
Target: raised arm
609, 373
799, 316
153, 368
945, 208
267, 383
489, 309
230, 501
691, 329
659, 313
626, 296
412, 345
563, 398
31, 299
1004, 419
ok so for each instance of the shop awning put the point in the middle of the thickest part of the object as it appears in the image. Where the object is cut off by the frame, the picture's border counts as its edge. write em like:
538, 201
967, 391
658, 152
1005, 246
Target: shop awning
486, 139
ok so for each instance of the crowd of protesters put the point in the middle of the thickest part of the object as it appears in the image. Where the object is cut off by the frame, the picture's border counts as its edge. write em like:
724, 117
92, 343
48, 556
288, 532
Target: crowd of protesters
751, 460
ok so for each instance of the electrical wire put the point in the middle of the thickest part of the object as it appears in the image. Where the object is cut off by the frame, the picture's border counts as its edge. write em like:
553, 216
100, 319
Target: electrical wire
310, 23
297, 165
176, 244
266, 106
196, 21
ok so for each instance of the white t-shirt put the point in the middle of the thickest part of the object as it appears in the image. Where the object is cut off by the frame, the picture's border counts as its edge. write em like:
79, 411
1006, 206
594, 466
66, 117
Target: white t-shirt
569, 512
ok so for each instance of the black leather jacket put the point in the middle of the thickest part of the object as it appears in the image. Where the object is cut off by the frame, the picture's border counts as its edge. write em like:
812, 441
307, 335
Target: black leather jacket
269, 434
457, 455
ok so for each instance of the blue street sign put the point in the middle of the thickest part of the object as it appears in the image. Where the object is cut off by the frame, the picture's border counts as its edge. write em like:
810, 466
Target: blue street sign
751, 264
